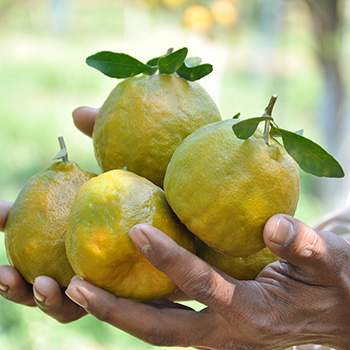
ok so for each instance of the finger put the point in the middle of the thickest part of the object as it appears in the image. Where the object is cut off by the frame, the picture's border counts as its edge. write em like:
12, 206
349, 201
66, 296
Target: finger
14, 288
192, 275
50, 298
179, 295
4, 212
316, 255
159, 326
84, 119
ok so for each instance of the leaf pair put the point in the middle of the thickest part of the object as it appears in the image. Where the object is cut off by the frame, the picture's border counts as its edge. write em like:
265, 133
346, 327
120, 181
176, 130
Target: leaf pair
120, 65
311, 157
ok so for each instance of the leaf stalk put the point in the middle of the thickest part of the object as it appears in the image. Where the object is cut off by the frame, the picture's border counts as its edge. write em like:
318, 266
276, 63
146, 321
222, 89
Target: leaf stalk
268, 111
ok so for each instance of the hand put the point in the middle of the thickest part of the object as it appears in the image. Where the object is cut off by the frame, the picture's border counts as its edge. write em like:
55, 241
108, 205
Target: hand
45, 293
84, 119
304, 297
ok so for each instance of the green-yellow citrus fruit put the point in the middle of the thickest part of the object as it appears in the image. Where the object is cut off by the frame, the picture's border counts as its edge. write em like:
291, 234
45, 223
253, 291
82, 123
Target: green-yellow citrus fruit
36, 226
241, 268
224, 189
145, 118
98, 244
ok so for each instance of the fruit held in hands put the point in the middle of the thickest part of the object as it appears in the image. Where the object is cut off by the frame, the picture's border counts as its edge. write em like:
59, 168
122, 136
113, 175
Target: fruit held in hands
36, 225
224, 189
145, 118
98, 244
241, 268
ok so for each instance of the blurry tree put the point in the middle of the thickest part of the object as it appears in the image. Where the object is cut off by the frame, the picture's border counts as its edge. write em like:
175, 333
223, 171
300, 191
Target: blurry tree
327, 18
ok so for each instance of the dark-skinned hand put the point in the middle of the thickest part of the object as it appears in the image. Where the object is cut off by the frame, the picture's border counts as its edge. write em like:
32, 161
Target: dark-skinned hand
304, 297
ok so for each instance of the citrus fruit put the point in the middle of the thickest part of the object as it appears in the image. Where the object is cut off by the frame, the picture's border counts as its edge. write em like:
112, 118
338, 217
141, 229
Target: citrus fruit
241, 268
98, 244
198, 18
224, 12
224, 189
145, 118
36, 225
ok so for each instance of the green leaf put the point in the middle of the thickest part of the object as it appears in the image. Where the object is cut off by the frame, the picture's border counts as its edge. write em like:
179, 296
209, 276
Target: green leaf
170, 63
246, 128
274, 131
118, 65
237, 115
194, 73
311, 157
193, 61
153, 61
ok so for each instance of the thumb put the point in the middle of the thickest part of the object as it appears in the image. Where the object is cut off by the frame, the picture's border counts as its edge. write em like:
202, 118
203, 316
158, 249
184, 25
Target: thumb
312, 253
84, 119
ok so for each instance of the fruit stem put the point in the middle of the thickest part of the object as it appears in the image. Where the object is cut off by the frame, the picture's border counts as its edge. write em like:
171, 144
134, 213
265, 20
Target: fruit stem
62, 154
63, 147
268, 111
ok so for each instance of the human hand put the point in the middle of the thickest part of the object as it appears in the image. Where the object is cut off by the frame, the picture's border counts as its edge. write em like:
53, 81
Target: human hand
84, 119
304, 297
45, 293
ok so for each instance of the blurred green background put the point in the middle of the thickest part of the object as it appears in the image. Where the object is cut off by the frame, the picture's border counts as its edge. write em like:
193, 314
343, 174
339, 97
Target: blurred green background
296, 48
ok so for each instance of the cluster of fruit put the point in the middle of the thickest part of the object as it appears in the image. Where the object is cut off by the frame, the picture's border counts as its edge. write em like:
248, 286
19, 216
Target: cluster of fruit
168, 160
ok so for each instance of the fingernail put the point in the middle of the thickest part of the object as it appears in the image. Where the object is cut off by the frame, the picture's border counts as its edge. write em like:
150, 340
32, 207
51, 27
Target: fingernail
140, 239
74, 294
3, 288
283, 231
40, 298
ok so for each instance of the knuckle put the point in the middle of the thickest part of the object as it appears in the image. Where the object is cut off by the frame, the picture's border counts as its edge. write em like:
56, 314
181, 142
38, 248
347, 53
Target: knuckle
201, 286
310, 246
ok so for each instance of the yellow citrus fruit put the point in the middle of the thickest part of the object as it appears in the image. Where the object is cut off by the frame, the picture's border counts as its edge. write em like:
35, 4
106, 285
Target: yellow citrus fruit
36, 225
144, 120
198, 17
241, 268
224, 12
224, 189
98, 244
